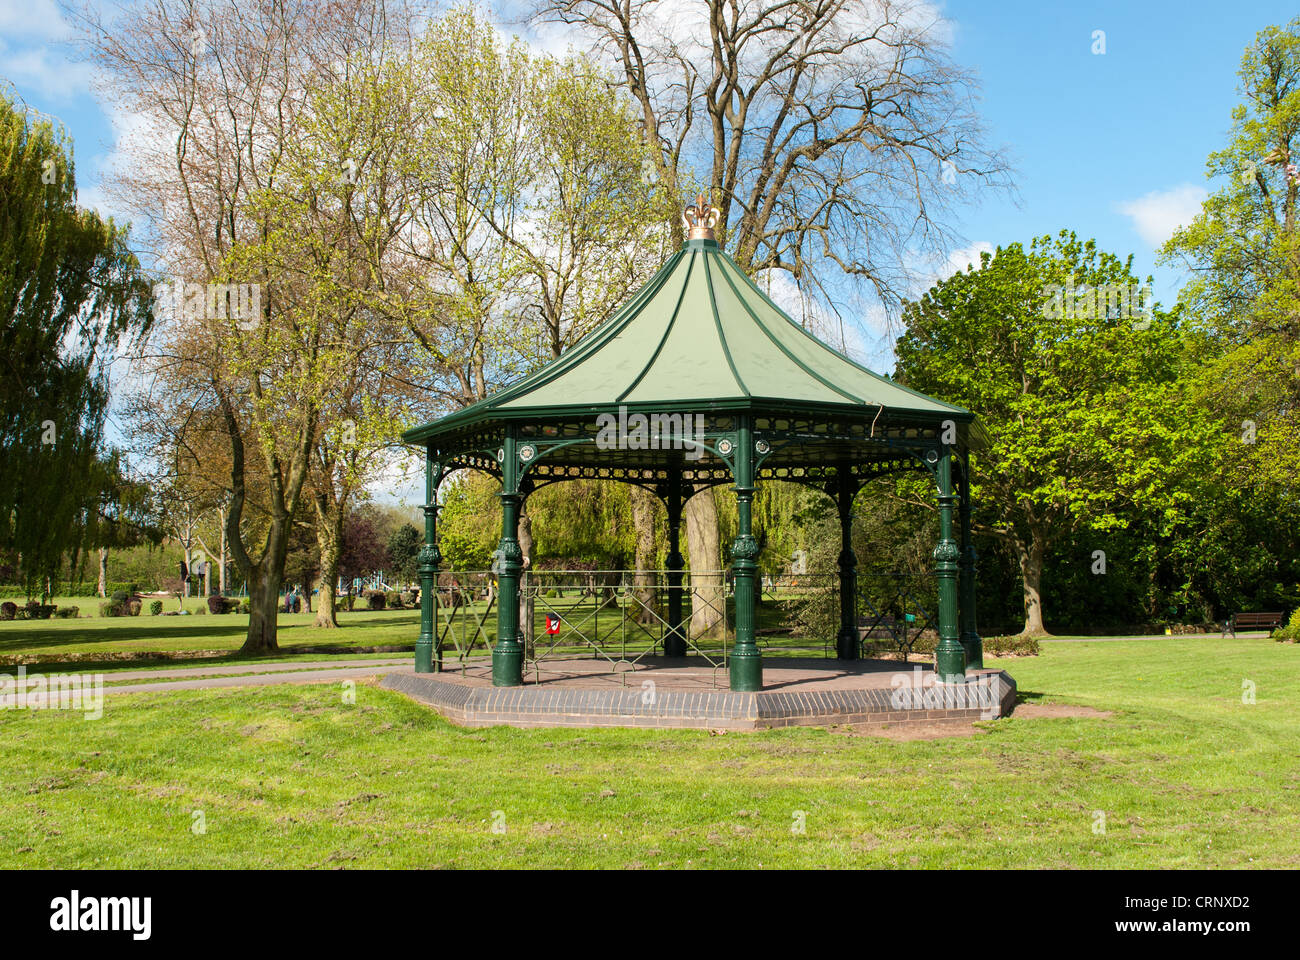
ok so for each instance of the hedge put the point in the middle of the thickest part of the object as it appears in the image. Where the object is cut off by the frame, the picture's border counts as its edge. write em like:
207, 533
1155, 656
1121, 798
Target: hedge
67, 589
1013, 646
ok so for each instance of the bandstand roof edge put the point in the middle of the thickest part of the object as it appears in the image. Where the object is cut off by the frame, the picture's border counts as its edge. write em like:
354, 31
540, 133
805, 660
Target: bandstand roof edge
701, 338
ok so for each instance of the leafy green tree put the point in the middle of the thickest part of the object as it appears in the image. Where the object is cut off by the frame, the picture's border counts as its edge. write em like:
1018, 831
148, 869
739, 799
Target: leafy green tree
1089, 424
1243, 251
70, 291
403, 552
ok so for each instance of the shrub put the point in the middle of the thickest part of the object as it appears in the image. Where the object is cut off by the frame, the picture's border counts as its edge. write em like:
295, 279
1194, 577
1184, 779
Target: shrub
394, 600
118, 597
221, 605
348, 601
375, 599
1012, 646
8, 610
246, 606
133, 607
1291, 632
67, 613
155, 608
110, 609
35, 610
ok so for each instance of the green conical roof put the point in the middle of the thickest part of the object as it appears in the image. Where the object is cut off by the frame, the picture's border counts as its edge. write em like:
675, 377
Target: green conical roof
698, 332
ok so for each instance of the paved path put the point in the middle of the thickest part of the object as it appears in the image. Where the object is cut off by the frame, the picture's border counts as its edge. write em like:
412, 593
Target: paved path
247, 674
238, 668
328, 675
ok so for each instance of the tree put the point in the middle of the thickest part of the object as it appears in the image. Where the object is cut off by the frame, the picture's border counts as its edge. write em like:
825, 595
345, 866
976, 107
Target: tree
227, 88
403, 552
126, 513
1090, 425
70, 292
364, 549
1244, 253
833, 136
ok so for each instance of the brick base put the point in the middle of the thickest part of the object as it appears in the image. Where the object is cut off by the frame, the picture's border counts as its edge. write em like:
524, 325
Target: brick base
985, 695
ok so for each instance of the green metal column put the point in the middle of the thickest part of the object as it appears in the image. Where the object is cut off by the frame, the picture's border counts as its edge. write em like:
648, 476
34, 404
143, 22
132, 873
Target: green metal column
971, 643
970, 636
428, 560
846, 641
949, 657
674, 638
508, 654
746, 667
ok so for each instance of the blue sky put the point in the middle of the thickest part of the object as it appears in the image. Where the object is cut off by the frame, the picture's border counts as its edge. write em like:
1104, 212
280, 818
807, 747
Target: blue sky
1111, 145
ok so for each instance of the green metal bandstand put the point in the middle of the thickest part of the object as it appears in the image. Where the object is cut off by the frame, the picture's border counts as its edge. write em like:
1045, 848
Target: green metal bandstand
700, 344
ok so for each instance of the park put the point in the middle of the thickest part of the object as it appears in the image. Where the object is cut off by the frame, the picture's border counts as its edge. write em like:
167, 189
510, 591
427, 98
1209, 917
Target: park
482, 461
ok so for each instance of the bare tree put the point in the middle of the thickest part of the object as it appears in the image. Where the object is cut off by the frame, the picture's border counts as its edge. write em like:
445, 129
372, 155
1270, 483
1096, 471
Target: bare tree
834, 136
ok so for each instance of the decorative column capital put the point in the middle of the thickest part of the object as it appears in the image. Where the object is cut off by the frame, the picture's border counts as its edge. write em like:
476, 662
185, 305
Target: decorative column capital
744, 548
946, 553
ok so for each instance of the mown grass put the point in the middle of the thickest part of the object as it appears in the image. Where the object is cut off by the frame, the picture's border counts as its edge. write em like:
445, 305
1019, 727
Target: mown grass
1185, 773
48, 640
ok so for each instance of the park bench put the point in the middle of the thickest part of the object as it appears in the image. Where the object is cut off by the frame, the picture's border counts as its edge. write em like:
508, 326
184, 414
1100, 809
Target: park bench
1252, 621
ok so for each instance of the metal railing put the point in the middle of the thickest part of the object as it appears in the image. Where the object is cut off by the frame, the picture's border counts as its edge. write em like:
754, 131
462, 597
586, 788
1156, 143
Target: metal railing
621, 616
569, 606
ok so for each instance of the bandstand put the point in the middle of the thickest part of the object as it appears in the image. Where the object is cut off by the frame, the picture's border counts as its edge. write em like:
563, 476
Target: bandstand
698, 380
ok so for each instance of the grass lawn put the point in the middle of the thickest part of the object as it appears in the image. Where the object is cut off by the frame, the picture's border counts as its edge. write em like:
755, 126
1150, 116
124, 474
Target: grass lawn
1184, 772
48, 640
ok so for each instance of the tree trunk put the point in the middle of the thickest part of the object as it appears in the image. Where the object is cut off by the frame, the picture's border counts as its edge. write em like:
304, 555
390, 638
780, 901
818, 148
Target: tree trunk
525, 537
103, 571
644, 510
264, 600
222, 569
264, 581
707, 597
329, 541
1031, 574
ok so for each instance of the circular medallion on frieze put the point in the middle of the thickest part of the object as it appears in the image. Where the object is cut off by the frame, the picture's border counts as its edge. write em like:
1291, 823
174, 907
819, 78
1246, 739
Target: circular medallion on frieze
527, 452
724, 447
501, 454
762, 446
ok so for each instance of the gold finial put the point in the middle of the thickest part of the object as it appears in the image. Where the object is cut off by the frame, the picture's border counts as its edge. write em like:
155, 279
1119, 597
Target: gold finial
700, 219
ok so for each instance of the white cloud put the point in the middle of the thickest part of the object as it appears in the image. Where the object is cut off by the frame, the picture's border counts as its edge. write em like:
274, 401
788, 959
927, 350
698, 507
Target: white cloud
1159, 213
39, 69
128, 128
960, 259
38, 19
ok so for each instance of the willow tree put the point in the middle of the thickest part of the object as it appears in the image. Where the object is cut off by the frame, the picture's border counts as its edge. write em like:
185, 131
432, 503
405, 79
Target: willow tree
70, 292
834, 136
